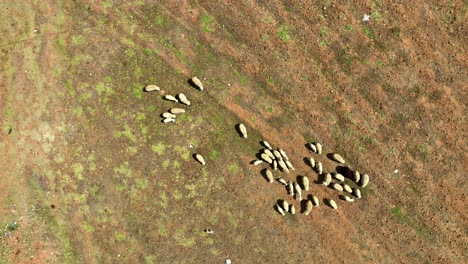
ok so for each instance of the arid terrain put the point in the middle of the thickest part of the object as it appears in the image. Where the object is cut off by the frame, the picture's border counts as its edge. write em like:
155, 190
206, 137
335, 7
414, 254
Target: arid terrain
90, 174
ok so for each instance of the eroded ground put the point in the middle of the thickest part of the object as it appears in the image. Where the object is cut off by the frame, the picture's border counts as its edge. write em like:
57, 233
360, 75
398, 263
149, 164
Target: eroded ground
91, 175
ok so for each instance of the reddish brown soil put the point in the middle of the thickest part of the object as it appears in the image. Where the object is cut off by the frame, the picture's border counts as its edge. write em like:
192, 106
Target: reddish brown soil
387, 94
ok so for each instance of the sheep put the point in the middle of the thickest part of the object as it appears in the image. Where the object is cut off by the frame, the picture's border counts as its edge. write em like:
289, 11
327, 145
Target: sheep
283, 166
266, 158
315, 201
277, 154
243, 130
357, 193
292, 209
167, 120
319, 167
319, 148
305, 183
151, 88
198, 83
168, 115
285, 206
338, 158
313, 147
312, 162
257, 162
176, 110
339, 177
308, 207
347, 188
332, 204
275, 165
364, 180
347, 198
290, 188
279, 209
200, 159
269, 175
298, 191
283, 154
289, 164
171, 98
327, 179
268, 152
337, 187
282, 181
183, 99
357, 176
267, 145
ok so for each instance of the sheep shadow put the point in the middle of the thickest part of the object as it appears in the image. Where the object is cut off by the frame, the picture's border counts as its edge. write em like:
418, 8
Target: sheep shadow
191, 83
345, 171
237, 128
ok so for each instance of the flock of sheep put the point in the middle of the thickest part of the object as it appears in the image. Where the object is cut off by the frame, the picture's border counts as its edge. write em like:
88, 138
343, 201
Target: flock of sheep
278, 162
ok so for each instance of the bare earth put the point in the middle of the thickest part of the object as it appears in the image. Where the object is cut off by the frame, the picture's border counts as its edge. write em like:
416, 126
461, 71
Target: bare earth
91, 175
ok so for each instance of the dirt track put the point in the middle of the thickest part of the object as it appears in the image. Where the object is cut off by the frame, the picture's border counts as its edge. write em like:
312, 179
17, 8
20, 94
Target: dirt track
91, 175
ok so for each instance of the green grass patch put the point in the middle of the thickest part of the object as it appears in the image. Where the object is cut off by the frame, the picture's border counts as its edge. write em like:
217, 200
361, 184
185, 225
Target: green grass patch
159, 148
284, 33
78, 40
119, 236
214, 154
207, 23
233, 168
88, 227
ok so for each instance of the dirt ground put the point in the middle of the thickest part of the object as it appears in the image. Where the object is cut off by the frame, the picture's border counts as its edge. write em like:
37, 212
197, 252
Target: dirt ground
90, 174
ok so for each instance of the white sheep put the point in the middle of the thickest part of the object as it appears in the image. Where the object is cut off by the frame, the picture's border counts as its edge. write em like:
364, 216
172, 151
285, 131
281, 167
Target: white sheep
338, 158
364, 180
280, 210
257, 162
151, 88
267, 145
347, 198
337, 187
171, 98
305, 183
339, 177
168, 115
269, 175
266, 158
315, 201
268, 152
327, 178
357, 176
357, 193
198, 83
292, 209
332, 204
290, 188
275, 165
312, 162
277, 154
319, 148
282, 181
283, 153
347, 188
285, 206
313, 147
200, 159
183, 99
177, 110
283, 166
319, 167
243, 130
308, 207
298, 191
289, 164
167, 120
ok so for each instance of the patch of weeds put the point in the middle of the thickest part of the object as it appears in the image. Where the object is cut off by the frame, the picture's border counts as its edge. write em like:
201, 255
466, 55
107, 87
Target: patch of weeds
283, 33
151, 108
233, 168
379, 64
88, 227
127, 132
233, 221
160, 20
396, 32
119, 236
78, 111
177, 195
124, 169
78, 170
164, 200
265, 37
214, 155
376, 16
207, 23
349, 28
78, 40
166, 164
183, 240
368, 32
159, 148
423, 152
391, 151
186, 155
175, 164
242, 79
324, 32
323, 43
141, 183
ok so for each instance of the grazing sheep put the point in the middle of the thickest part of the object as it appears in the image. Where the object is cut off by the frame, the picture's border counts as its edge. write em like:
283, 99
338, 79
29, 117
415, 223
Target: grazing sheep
347, 198
313, 147
319, 148
168, 115
152, 87
177, 110
269, 175
337, 187
308, 207
277, 154
183, 99
283, 166
283, 153
167, 120
198, 83
268, 152
290, 188
298, 191
312, 162
364, 180
319, 167
357, 176
315, 201
200, 159
305, 183
257, 162
243, 130
289, 164
275, 165
171, 98
347, 188
339, 177
285, 206
279, 209
327, 179
338, 158
267, 145
357, 193
332, 204
266, 158
292, 209
282, 181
